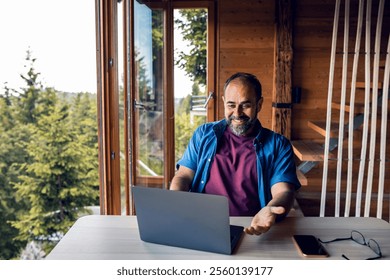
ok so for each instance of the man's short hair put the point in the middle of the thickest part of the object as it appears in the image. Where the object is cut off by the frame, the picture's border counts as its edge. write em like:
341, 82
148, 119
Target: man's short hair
247, 78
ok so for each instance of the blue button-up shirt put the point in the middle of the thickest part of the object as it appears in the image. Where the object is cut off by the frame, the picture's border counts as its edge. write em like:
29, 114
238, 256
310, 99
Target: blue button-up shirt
274, 153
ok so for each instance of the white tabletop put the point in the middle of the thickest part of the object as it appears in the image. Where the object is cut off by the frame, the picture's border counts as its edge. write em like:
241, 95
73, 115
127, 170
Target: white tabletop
98, 237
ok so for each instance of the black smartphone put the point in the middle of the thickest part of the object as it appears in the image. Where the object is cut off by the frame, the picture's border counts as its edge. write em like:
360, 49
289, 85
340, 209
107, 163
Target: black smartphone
309, 246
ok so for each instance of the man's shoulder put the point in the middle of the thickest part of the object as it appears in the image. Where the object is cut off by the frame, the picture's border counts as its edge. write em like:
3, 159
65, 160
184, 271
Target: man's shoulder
267, 135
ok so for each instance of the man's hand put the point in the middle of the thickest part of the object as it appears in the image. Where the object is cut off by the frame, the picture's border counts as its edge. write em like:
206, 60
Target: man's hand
264, 219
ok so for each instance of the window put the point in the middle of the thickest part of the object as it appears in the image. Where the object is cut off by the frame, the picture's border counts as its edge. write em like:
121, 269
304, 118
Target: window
150, 97
155, 114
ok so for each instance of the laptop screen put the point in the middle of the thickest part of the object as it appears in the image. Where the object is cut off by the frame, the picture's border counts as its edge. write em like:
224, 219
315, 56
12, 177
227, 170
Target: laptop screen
184, 219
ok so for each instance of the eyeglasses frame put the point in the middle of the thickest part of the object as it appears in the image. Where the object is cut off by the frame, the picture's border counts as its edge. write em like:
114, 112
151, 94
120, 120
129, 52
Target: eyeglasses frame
365, 243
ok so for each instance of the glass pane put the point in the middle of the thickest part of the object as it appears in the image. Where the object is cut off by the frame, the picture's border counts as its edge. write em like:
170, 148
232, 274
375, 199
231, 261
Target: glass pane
190, 41
148, 31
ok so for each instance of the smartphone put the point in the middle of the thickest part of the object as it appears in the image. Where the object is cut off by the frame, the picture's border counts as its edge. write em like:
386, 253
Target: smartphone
309, 246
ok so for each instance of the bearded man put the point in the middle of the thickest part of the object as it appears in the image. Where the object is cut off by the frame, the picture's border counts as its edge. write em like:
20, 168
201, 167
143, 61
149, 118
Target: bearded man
238, 158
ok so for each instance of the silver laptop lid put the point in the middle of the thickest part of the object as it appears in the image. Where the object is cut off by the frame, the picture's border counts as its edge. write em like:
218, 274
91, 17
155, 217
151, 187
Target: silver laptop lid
183, 219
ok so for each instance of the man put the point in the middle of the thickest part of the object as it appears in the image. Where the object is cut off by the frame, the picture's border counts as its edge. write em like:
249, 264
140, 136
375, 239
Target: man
238, 158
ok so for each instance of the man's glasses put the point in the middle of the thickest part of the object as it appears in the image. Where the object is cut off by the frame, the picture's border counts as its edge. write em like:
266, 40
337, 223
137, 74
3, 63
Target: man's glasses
359, 238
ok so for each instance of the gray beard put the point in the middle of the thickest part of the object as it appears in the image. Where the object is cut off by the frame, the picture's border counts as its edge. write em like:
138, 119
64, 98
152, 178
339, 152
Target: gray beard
240, 130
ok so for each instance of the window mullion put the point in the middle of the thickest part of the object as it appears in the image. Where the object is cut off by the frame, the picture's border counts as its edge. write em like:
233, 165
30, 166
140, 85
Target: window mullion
108, 107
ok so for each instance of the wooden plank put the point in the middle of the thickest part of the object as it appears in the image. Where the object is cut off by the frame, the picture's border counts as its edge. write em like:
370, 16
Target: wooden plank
243, 58
320, 127
359, 107
281, 96
231, 7
302, 178
363, 85
108, 103
308, 150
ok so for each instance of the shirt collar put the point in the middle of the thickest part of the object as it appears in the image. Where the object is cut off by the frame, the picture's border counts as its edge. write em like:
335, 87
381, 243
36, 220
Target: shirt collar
220, 126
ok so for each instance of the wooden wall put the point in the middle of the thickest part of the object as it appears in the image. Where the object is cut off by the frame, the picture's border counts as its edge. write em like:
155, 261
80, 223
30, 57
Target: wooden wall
312, 48
245, 42
313, 24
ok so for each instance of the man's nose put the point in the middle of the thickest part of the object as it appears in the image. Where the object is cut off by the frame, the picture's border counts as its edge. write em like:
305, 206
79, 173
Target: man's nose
237, 111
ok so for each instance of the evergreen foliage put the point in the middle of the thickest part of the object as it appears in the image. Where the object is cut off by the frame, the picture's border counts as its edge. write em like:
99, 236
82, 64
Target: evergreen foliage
10, 156
193, 26
48, 162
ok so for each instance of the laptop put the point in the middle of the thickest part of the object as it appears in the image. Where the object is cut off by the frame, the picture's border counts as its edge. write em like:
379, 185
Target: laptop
185, 219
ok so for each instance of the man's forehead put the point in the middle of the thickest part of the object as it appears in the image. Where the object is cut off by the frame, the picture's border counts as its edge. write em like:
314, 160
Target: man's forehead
240, 95
238, 101
240, 87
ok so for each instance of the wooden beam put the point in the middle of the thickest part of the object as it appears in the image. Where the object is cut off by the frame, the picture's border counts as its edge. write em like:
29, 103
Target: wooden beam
308, 150
302, 178
108, 102
281, 96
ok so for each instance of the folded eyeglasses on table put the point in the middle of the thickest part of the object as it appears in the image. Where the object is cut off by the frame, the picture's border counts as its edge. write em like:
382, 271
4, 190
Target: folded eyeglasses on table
359, 238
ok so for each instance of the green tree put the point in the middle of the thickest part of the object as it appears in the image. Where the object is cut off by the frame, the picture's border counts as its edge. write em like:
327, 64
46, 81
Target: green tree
11, 154
184, 129
193, 26
48, 162
57, 184
28, 96
85, 129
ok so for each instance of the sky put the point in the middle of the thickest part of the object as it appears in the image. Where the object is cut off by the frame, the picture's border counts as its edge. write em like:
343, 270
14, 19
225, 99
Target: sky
183, 84
61, 37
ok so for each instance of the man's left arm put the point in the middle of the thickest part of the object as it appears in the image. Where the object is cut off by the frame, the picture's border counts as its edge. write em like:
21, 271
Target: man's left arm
283, 195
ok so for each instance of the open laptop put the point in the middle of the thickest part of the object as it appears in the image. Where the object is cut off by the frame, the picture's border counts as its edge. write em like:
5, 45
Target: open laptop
185, 219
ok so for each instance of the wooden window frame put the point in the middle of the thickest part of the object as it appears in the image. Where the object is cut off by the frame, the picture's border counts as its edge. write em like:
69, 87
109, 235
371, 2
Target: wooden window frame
108, 106
108, 96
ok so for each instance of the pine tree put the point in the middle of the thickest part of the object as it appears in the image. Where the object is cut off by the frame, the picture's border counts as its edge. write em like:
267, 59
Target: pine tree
83, 120
28, 95
10, 155
57, 183
48, 162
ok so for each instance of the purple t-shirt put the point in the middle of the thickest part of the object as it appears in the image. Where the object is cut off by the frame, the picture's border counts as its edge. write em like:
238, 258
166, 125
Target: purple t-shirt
233, 174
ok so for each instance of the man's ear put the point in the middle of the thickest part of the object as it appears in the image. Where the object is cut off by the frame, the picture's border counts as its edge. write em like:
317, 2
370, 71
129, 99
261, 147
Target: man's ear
259, 104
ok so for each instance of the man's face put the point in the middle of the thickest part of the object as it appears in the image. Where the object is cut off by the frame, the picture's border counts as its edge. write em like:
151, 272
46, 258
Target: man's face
241, 107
